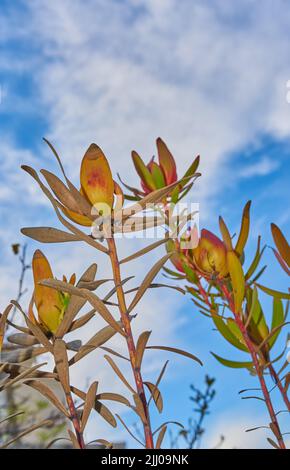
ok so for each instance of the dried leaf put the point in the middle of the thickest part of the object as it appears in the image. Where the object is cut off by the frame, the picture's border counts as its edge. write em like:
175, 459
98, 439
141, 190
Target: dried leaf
89, 404
61, 191
99, 407
45, 422
18, 327
275, 430
138, 224
20, 355
74, 345
161, 375
113, 397
83, 320
75, 303
115, 353
3, 320
153, 198
56, 440
25, 372
73, 439
14, 415
145, 250
140, 348
257, 427
128, 430
176, 351
49, 394
281, 261
158, 285
61, 364
56, 206
14, 370
100, 338
160, 437
139, 408
148, 280
94, 300
93, 285
119, 373
37, 332
156, 395
273, 443
83, 204
113, 291
49, 235
281, 244
22, 339
103, 442
166, 423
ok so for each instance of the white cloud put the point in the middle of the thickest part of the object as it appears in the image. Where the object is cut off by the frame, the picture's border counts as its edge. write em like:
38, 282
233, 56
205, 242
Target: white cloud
263, 167
202, 76
206, 76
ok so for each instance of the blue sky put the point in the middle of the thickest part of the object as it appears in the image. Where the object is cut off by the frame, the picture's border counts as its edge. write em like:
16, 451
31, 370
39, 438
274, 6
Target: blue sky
208, 77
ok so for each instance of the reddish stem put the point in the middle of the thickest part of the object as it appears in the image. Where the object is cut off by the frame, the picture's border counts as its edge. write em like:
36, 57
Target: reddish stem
280, 386
130, 341
252, 350
75, 421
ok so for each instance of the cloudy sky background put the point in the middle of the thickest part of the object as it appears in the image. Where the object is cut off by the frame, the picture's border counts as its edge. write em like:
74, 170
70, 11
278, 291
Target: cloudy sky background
210, 78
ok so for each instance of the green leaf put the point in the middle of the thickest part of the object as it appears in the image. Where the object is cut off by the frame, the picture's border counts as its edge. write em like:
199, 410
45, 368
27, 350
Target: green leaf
233, 327
274, 293
233, 364
258, 275
256, 260
237, 279
257, 314
277, 319
192, 277
227, 334
244, 231
193, 167
143, 171
157, 175
225, 234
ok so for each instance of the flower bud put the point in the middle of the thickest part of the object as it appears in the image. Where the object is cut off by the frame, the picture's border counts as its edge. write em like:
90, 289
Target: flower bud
210, 256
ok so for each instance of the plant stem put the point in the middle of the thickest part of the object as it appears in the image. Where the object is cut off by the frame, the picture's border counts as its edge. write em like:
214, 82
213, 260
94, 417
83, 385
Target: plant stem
75, 421
259, 371
130, 340
280, 386
264, 388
